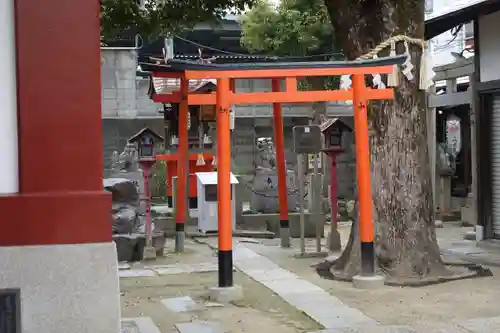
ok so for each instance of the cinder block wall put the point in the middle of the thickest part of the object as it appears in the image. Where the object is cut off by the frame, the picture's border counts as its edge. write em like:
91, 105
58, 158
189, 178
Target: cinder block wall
244, 151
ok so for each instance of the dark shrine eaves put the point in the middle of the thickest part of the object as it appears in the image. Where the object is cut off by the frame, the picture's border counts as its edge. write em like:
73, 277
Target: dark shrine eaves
329, 123
179, 66
144, 131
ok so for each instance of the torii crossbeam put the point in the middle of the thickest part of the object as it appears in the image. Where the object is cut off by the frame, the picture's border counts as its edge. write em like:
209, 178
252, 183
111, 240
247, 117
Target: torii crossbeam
225, 95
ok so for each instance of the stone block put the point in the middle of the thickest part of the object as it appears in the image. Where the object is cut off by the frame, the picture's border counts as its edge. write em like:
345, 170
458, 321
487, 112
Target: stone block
468, 215
135, 273
129, 247
368, 282
226, 294
271, 222
149, 253
181, 304
159, 241
108, 93
470, 235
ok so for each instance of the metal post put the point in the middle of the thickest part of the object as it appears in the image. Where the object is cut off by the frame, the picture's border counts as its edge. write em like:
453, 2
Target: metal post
316, 202
300, 171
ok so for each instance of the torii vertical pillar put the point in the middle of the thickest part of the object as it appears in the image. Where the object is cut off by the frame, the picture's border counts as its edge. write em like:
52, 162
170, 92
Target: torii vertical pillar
181, 191
368, 278
279, 140
226, 290
55, 241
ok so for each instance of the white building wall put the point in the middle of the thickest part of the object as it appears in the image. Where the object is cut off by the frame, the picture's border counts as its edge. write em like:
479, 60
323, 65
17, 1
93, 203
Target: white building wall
489, 47
441, 46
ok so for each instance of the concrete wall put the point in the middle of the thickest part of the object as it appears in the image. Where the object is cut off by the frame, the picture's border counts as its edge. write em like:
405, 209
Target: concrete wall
489, 47
244, 151
124, 95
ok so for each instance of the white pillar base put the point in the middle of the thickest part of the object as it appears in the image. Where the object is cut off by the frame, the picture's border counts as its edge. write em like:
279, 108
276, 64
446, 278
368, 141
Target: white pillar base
64, 288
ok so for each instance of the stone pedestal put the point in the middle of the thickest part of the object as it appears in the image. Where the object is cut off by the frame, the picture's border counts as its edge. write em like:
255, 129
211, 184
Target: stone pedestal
445, 182
334, 241
467, 213
226, 294
368, 282
314, 186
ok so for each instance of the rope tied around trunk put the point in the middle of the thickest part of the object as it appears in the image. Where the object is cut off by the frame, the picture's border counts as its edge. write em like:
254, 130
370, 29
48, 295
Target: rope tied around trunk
426, 73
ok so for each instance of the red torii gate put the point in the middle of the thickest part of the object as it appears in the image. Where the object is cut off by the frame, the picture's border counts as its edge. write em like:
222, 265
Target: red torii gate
225, 95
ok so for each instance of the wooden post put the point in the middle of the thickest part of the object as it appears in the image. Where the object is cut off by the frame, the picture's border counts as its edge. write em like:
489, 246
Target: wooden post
473, 156
182, 169
225, 254
281, 168
366, 228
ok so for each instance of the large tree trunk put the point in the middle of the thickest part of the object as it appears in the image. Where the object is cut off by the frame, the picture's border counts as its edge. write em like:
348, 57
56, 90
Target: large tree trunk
406, 246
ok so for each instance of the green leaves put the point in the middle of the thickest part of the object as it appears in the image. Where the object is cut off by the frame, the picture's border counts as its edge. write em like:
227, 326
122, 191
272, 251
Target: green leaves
163, 17
295, 28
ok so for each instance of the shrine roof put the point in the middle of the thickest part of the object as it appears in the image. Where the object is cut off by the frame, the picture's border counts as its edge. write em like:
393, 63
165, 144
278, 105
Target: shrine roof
176, 65
144, 131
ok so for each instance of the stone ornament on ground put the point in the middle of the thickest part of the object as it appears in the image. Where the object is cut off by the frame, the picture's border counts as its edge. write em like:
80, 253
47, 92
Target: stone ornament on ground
265, 183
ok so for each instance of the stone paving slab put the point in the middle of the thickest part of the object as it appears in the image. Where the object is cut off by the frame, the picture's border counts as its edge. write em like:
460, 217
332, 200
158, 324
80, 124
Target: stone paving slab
291, 286
199, 326
139, 325
135, 273
181, 304
270, 274
328, 311
186, 268
371, 329
481, 325
431, 327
